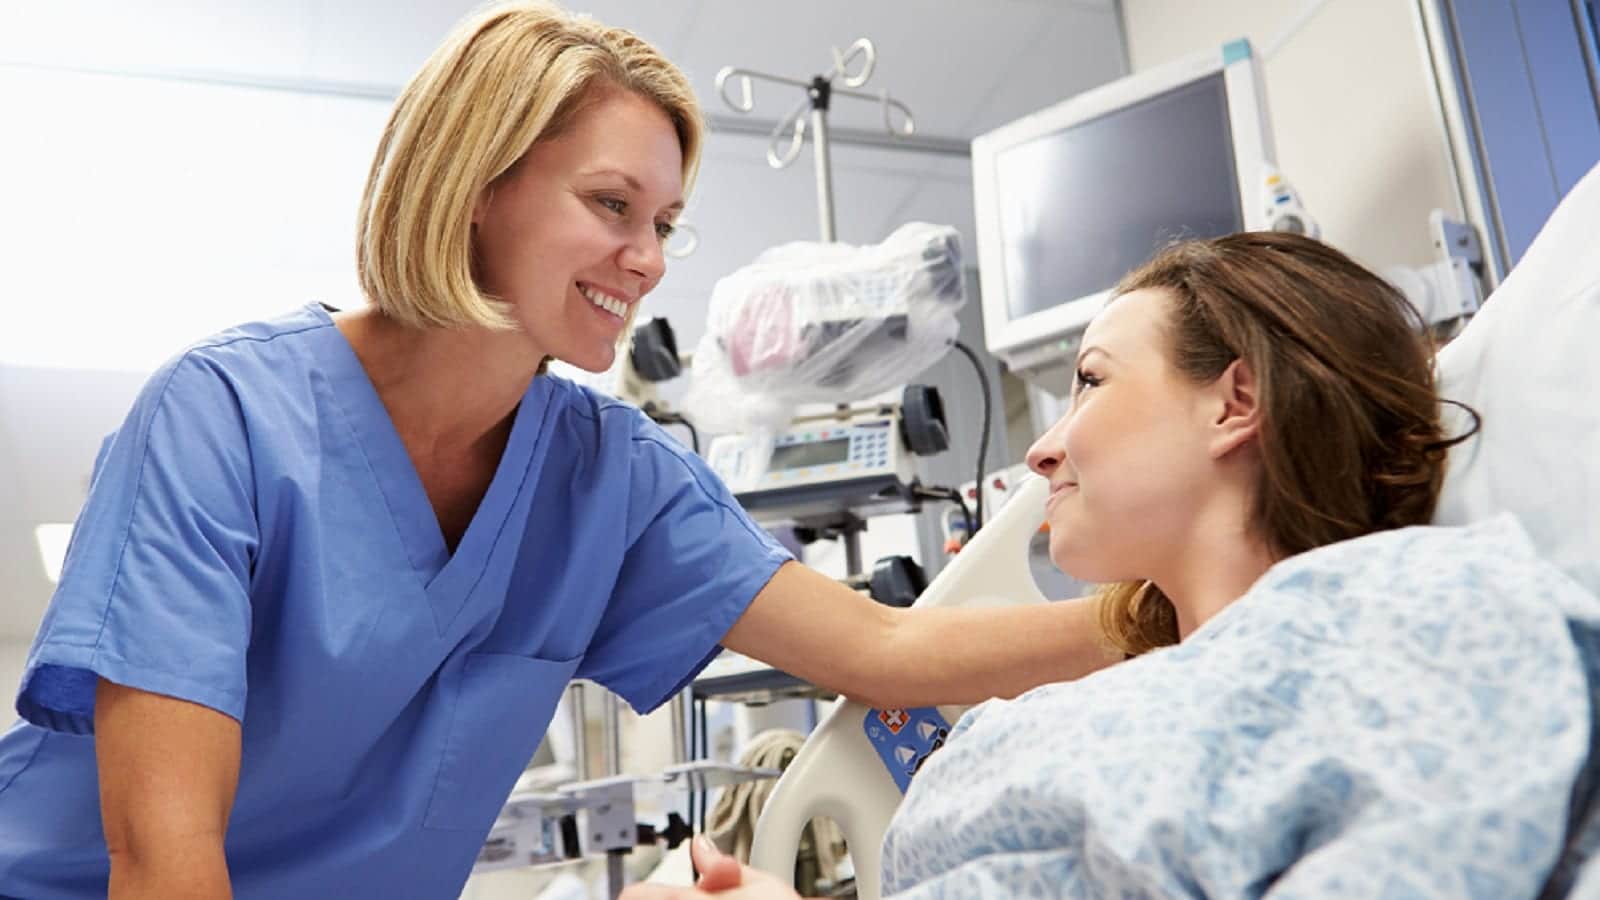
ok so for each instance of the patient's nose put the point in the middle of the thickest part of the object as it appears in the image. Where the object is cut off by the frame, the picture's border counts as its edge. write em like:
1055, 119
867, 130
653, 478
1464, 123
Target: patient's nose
1045, 455
1050, 450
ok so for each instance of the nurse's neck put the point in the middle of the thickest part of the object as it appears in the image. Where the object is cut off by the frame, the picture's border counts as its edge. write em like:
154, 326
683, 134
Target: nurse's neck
445, 387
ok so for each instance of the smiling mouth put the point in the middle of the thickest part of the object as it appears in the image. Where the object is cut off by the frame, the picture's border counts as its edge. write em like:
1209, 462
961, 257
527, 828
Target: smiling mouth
603, 301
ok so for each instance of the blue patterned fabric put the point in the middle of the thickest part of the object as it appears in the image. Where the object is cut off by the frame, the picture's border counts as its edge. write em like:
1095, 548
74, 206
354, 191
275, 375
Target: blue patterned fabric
1406, 715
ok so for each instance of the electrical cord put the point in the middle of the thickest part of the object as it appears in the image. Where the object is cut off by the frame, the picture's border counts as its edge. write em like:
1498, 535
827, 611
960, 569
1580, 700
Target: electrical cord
983, 442
694, 753
705, 753
950, 494
694, 436
671, 418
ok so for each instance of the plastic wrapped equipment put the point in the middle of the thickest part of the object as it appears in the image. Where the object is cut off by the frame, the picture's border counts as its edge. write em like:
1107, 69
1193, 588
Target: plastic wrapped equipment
825, 323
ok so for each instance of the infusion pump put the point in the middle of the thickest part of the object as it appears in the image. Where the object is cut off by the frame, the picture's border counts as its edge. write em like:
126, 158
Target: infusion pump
818, 466
809, 455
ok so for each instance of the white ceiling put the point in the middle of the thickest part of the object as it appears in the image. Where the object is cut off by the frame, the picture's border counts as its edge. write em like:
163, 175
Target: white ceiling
963, 66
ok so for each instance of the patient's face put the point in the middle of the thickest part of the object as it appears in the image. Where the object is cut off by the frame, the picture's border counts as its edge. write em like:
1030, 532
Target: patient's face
1128, 464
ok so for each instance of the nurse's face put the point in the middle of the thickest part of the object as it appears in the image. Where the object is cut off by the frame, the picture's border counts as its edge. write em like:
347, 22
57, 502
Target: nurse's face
1129, 462
570, 237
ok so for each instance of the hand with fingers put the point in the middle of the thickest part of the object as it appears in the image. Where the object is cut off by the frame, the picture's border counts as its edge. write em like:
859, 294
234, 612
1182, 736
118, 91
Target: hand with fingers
721, 876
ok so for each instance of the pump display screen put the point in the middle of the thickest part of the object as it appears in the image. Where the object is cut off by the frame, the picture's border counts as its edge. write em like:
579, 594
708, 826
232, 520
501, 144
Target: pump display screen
814, 453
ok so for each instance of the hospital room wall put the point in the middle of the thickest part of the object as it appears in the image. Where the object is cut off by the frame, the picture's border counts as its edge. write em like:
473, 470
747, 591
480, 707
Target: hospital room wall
1352, 105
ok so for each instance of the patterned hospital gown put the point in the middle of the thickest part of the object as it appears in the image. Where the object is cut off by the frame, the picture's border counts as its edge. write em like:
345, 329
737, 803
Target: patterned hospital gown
1400, 716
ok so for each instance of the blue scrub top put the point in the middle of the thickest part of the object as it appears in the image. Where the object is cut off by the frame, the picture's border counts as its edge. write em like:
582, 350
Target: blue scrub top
257, 540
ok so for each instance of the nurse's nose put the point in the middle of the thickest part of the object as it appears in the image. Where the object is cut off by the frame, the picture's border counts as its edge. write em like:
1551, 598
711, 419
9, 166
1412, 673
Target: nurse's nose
645, 256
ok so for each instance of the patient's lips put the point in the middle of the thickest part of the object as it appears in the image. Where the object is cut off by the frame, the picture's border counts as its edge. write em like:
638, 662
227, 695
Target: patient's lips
1060, 489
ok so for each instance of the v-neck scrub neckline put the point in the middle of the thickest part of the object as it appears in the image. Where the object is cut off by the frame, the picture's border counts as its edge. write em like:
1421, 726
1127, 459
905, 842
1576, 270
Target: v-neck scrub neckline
444, 575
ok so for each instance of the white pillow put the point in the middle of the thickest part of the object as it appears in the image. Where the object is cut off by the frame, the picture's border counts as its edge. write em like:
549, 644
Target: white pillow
1530, 364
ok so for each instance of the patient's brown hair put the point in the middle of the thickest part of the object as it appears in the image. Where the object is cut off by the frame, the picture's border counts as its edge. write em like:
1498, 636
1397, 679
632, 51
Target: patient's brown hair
1350, 440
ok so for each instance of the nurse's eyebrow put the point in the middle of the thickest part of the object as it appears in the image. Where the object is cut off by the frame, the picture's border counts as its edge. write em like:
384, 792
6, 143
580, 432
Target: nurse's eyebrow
634, 184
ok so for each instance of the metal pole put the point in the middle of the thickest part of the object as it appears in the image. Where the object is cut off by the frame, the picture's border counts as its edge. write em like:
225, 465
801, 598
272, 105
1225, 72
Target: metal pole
820, 95
680, 730
580, 730
1591, 53
613, 735
614, 874
852, 551
386, 93
933, 145
1497, 254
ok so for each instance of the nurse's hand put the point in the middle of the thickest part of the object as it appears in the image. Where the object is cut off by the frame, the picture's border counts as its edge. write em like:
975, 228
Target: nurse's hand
721, 877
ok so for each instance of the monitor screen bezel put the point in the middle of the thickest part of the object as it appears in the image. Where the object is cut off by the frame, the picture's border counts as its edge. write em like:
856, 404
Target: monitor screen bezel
1252, 152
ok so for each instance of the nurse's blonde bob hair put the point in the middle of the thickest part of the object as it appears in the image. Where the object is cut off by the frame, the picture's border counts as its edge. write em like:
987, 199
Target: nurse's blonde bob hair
509, 76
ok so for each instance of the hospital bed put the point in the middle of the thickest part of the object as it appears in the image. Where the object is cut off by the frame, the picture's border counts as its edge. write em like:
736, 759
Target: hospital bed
1525, 363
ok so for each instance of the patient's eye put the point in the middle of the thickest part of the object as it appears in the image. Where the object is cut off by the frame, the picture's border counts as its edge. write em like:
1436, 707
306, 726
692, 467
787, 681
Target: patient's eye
1083, 379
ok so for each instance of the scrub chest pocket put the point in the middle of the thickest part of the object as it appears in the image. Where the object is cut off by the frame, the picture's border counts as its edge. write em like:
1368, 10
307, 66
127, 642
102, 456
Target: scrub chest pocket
502, 706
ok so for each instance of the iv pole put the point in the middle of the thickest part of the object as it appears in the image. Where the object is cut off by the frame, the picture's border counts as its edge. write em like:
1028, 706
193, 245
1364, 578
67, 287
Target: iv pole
820, 92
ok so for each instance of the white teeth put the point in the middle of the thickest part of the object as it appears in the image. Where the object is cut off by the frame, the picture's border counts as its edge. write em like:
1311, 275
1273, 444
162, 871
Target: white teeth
605, 301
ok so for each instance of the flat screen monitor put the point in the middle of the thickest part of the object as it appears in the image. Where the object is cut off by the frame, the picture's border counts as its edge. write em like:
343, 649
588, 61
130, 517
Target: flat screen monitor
1071, 198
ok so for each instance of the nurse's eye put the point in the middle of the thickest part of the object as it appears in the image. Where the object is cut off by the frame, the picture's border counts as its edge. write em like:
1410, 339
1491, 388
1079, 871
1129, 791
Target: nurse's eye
665, 230
614, 204
1083, 380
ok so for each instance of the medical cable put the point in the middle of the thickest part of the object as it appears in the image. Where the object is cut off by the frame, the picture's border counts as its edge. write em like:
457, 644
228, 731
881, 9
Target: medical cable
950, 494
661, 417
983, 443
694, 753
732, 824
694, 436
705, 753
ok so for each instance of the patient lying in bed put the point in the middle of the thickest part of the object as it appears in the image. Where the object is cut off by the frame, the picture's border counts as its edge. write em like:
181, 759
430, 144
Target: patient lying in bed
1320, 700
1353, 710
1402, 715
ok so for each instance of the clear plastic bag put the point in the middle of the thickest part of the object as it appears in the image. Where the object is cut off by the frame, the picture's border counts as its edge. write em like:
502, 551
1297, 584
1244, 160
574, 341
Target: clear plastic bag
825, 323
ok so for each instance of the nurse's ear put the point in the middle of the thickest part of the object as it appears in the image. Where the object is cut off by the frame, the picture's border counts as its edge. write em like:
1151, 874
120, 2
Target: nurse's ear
480, 207
1235, 398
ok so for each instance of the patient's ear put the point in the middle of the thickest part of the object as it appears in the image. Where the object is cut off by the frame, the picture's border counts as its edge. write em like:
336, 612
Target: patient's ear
1237, 397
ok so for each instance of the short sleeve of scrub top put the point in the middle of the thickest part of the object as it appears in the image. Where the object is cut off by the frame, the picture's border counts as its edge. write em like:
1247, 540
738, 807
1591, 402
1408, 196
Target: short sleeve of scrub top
168, 613
694, 563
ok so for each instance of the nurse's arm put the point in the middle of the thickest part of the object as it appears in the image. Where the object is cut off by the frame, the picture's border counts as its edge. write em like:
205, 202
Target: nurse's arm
815, 628
168, 771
